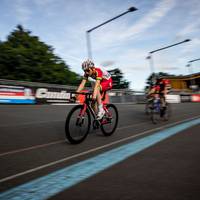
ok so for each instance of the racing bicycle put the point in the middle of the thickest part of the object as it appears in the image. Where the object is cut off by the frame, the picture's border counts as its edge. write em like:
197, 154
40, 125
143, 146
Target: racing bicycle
80, 118
157, 111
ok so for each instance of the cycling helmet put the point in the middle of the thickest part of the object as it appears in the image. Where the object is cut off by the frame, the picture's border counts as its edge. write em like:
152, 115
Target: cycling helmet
158, 77
87, 64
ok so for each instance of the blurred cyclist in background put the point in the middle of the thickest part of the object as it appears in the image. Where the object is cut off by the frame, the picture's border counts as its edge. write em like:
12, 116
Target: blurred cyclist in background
103, 82
160, 88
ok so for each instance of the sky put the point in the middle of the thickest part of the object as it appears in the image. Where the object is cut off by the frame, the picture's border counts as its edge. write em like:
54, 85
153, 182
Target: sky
123, 43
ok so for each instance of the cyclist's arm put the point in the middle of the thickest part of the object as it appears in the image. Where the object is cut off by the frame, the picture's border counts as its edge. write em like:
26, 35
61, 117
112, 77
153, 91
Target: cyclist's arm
82, 85
96, 87
152, 91
166, 90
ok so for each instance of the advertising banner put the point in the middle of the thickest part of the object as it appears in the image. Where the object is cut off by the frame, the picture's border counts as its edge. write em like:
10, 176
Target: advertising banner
195, 97
185, 97
52, 95
172, 98
16, 95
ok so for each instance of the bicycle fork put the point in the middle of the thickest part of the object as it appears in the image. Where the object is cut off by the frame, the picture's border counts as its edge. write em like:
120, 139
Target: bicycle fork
81, 118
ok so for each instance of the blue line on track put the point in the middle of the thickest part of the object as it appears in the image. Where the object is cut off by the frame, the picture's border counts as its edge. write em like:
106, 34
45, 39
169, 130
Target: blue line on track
49, 185
18, 101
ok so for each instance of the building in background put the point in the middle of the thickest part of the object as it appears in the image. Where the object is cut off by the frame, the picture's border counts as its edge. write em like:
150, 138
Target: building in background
185, 83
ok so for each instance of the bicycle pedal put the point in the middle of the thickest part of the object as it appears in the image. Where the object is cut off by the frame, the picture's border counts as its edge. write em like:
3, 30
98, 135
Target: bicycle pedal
96, 124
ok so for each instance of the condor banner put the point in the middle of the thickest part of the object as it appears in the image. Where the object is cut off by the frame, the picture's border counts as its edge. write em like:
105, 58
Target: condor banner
52, 95
16, 95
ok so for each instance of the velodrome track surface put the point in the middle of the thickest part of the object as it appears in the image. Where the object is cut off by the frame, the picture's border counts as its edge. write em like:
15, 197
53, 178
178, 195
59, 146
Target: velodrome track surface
33, 145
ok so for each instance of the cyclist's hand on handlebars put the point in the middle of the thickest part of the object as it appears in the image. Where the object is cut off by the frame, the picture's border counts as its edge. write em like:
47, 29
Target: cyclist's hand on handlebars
94, 98
76, 96
73, 99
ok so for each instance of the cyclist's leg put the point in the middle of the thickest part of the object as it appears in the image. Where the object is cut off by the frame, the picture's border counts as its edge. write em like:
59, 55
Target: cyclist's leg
104, 86
94, 104
161, 96
101, 111
151, 99
99, 102
163, 104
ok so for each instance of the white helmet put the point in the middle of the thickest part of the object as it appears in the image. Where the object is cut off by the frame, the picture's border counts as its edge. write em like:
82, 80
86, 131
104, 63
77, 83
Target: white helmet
87, 64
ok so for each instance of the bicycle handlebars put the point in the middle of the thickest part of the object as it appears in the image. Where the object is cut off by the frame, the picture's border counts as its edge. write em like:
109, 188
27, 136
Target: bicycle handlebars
83, 93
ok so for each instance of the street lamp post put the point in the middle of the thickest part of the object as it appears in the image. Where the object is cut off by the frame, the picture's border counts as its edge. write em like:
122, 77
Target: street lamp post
150, 56
89, 47
151, 64
190, 70
189, 65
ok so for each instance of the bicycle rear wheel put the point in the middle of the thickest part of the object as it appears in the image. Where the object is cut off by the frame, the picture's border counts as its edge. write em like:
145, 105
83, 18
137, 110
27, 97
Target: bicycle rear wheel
148, 108
167, 112
77, 126
110, 120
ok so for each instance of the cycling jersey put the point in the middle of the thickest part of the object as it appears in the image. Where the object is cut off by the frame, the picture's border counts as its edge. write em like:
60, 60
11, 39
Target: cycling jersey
103, 76
100, 74
162, 85
157, 88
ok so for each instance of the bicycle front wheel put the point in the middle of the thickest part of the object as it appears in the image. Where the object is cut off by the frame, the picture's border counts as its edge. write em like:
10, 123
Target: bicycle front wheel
77, 125
110, 120
167, 112
154, 114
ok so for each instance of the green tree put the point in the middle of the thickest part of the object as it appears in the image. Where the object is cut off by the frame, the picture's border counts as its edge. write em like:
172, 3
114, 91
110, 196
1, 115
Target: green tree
25, 57
118, 79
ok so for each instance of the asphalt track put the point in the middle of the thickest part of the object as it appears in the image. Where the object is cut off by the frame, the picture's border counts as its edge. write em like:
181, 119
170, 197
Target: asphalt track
33, 145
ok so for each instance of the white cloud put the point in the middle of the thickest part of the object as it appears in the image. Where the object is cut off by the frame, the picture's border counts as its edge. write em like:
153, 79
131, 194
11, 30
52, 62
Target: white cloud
190, 28
150, 19
192, 19
124, 32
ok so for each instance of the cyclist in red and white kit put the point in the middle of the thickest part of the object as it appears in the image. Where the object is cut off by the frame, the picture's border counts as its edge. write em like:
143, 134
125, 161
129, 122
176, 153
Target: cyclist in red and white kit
103, 82
160, 88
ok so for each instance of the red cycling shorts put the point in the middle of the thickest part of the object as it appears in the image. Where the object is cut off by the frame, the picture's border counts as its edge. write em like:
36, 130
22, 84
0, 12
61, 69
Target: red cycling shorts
106, 84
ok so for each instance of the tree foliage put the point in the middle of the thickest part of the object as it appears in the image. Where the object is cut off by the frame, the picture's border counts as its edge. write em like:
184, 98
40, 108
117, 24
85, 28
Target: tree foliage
25, 57
118, 79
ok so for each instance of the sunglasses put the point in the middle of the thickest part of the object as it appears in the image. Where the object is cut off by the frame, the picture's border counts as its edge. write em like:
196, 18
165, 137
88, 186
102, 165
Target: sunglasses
87, 70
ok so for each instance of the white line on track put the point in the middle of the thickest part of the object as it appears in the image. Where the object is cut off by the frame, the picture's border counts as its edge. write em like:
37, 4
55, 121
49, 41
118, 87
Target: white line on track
53, 143
31, 148
29, 123
94, 149
58, 141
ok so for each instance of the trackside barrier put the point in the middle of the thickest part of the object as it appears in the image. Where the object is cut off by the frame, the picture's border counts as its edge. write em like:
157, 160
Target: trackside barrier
173, 98
21, 92
185, 98
123, 99
52, 95
140, 98
195, 97
26, 95
16, 95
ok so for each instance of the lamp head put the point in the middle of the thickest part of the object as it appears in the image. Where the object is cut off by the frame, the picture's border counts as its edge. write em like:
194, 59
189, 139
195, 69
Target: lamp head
131, 9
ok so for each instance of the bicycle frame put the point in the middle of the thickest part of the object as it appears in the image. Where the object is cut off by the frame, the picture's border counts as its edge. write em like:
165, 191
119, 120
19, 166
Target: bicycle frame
157, 105
87, 104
